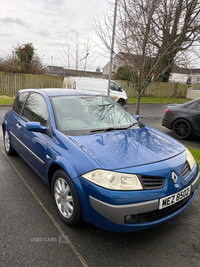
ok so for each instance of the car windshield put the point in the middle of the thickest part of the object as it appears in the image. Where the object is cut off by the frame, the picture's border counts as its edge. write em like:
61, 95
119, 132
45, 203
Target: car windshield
78, 115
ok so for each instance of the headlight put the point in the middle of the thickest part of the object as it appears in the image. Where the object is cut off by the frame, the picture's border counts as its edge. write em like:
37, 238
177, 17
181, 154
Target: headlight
114, 180
190, 159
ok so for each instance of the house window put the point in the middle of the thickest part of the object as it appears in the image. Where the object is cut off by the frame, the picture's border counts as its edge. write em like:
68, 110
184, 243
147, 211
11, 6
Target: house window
188, 81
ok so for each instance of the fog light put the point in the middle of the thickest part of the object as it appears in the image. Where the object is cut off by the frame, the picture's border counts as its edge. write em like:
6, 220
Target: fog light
131, 218
128, 218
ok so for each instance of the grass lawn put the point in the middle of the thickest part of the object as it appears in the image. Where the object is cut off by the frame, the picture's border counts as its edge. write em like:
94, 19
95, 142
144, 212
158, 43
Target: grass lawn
6, 100
158, 100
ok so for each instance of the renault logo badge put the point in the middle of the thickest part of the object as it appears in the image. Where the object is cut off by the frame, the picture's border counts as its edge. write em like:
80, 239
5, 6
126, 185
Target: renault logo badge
174, 177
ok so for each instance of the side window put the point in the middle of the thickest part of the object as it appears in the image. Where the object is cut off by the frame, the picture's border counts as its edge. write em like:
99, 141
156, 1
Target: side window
191, 106
19, 102
113, 86
198, 106
35, 109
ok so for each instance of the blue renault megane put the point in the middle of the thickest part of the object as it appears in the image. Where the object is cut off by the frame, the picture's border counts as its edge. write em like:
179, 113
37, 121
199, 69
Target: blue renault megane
101, 164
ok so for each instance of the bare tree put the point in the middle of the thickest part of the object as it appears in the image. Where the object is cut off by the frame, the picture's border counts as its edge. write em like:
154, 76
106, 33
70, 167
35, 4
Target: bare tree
77, 52
150, 36
71, 48
67, 48
87, 46
178, 28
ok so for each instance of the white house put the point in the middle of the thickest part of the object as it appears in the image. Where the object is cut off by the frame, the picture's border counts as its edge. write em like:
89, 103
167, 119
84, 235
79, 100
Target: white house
185, 75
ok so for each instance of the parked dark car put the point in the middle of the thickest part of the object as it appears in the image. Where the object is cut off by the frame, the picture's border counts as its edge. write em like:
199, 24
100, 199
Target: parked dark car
183, 119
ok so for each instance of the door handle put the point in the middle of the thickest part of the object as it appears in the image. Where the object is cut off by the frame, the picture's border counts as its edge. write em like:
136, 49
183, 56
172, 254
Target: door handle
18, 126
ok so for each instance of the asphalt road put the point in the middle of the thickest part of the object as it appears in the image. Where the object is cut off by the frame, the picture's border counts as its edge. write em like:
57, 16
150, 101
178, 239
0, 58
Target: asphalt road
31, 234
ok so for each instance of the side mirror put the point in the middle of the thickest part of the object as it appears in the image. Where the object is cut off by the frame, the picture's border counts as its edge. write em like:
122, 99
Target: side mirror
136, 117
35, 127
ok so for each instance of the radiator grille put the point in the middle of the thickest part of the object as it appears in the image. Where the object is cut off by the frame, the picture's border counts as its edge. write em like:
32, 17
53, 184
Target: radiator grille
152, 182
186, 170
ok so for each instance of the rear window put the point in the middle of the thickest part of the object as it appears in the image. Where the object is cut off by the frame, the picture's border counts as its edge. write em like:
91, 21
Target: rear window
197, 107
191, 106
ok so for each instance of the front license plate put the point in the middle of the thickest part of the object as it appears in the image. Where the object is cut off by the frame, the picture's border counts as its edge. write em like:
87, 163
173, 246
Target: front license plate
172, 199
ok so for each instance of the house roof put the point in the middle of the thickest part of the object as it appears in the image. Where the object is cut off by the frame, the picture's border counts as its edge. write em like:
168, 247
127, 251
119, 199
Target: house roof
60, 71
136, 59
177, 69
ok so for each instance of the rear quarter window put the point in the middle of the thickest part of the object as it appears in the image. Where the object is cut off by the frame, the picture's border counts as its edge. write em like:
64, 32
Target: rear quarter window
197, 107
19, 102
191, 106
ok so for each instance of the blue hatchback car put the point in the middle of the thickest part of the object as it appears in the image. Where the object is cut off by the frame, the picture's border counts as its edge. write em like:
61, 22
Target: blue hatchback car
101, 164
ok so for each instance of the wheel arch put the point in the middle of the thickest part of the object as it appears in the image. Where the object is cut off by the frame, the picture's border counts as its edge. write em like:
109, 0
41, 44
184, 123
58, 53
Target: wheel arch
4, 126
60, 165
77, 184
52, 169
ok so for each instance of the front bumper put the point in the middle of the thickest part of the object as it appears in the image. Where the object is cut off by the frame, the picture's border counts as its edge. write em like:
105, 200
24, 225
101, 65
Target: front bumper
118, 213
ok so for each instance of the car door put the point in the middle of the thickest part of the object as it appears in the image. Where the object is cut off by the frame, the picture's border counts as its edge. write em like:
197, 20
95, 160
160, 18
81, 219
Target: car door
195, 112
32, 146
114, 91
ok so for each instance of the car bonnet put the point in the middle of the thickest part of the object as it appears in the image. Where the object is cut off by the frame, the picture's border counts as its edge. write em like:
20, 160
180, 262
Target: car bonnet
128, 148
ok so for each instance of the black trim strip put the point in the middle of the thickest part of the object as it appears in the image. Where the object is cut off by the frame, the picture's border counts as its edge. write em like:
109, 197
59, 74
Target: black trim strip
31, 152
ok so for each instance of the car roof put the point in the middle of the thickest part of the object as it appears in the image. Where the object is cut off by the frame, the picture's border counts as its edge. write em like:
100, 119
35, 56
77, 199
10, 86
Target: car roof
56, 91
183, 105
190, 102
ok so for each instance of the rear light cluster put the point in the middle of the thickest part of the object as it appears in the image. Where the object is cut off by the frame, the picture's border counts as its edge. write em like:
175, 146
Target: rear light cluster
166, 111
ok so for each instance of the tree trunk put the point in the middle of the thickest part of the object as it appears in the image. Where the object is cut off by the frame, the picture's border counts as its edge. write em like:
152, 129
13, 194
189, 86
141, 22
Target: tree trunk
138, 102
164, 68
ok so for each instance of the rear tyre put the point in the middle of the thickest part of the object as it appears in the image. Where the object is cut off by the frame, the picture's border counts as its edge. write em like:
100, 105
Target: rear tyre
182, 129
7, 144
66, 199
121, 101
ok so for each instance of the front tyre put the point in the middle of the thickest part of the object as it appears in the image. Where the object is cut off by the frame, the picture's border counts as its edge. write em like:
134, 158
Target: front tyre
66, 199
7, 144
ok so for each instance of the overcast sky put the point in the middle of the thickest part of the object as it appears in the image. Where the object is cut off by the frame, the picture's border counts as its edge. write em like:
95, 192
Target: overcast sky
45, 23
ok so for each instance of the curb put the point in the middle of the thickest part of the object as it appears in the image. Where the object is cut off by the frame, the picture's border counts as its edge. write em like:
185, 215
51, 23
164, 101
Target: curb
5, 105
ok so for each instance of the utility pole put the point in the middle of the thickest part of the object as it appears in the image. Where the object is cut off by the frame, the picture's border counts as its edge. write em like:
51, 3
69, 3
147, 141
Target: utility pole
52, 65
112, 47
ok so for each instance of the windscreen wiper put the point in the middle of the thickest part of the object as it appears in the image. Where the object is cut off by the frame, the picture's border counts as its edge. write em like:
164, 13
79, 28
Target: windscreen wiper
112, 128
